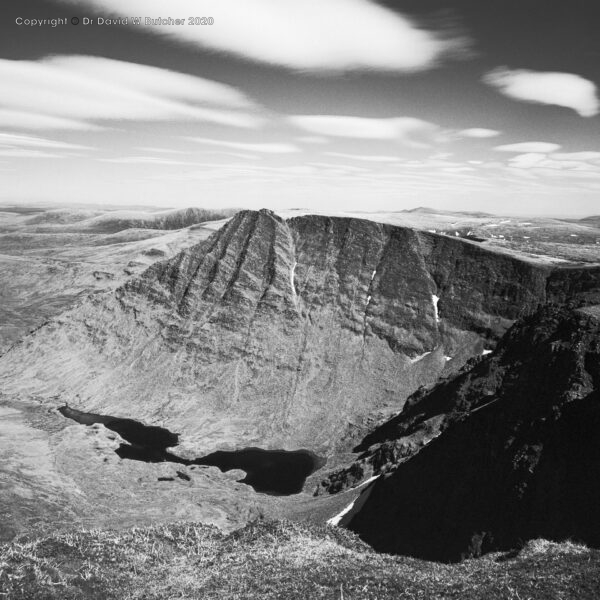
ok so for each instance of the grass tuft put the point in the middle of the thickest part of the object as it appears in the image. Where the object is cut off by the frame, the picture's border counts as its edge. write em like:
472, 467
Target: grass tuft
274, 560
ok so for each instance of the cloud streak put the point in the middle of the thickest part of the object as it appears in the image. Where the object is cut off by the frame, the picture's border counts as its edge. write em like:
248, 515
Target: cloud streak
410, 131
479, 132
376, 158
577, 156
73, 92
266, 148
144, 160
27, 153
20, 120
557, 162
529, 147
10, 140
560, 89
311, 35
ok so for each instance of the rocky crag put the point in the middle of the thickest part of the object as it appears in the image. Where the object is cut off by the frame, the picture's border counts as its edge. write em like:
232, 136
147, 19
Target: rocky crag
289, 334
518, 456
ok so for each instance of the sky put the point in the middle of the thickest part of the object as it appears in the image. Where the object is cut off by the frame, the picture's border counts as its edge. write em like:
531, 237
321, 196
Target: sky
313, 104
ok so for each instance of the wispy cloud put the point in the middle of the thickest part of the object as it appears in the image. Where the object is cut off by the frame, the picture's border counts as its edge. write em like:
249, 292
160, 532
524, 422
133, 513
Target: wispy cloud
479, 132
26, 153
312, 139
144, 160
577, 156
266, 148
152, 80
537, 147
21, 120
556, 162
462, 169
561, 89
411, 131
159, 150
526, 161
10, 140
242, 155
75, 91
310, 35
335, 168
377, 158
26, 146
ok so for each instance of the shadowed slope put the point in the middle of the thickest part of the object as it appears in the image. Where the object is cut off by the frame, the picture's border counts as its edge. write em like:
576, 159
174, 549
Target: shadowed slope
519, 455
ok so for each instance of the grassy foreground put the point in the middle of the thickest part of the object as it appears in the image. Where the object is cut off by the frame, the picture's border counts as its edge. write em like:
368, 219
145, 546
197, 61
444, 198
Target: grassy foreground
270, 560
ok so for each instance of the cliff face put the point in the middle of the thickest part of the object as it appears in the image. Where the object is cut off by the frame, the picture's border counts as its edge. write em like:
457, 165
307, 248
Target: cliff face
519, 457
283, 333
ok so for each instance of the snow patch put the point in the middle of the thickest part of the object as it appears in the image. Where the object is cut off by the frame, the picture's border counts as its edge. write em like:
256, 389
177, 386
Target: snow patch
292, 278
435, 299
335, 520
447, 358
419, 357
485, 352
370, 480
373, 275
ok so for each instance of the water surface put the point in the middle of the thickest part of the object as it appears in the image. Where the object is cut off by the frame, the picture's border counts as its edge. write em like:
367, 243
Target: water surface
277, 472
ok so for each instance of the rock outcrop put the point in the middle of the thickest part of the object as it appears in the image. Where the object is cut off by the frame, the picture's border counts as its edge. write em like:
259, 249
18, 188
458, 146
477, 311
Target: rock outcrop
287, 334
518, 456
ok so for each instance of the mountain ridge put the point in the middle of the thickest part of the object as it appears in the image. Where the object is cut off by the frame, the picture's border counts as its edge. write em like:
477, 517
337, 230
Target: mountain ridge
284, 333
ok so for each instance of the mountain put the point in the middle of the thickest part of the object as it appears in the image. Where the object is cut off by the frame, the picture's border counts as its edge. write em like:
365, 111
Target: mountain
61, 216
119, 220
425, 210
289, 334
52, 259
593, 221
518, 456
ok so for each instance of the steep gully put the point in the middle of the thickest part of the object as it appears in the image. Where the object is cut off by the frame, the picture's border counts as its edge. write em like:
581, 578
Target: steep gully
275, 472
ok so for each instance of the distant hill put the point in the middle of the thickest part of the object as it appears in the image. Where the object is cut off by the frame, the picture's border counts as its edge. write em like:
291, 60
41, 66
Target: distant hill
434, 211
62, 216
84, 221
593, 220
